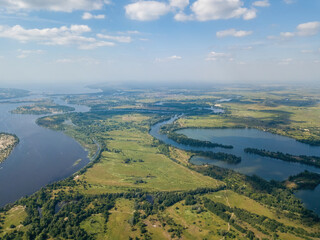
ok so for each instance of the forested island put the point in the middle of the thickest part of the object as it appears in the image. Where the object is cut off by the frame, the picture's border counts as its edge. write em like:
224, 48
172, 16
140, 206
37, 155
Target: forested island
308, 160
43, 108
7, 144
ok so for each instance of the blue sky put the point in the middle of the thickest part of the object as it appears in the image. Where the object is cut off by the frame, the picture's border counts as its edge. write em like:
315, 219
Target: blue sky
215, 41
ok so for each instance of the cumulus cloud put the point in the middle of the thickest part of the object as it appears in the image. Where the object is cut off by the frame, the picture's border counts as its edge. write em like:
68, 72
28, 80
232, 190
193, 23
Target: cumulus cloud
182, 17
146, 10
53, 5
201, 10
121, 39
73, 35
205, 10
308, 29
88, 16
181, 4
264, 3
233, 33
303, 30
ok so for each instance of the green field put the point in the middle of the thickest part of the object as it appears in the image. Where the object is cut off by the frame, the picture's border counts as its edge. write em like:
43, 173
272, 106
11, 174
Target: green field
145, 163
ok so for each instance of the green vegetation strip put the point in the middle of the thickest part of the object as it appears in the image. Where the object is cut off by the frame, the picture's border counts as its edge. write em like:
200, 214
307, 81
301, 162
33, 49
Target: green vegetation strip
225, 157
183, 139
308, 160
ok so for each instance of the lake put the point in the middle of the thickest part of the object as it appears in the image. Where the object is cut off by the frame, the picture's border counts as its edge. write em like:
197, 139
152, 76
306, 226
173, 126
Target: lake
267, 168
43, 156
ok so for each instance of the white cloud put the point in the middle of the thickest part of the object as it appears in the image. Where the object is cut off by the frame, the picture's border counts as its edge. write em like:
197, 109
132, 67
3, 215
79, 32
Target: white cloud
53, 5
175, 57
233, 32
201, 10
121, 39
171, 58
263, 3
88, 16
214, 56
72, 35
96, 44
146, 10
181, 4
308, 29
287, 34
205, 10
133, 32
182, 17
303, 30
27, 53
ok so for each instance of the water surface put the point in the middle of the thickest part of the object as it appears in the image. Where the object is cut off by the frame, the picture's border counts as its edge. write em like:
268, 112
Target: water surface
265, 167
42, 156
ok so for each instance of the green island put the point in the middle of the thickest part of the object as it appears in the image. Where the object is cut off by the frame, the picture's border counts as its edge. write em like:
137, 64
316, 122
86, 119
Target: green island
137, 187
308, 160
305, 180
42, 107
7, 144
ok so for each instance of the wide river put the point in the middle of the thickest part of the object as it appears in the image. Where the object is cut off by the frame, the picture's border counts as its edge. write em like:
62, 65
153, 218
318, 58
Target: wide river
267, 168
43, 156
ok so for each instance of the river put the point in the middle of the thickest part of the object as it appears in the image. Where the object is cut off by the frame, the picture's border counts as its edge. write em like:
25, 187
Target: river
42, 156
267, 168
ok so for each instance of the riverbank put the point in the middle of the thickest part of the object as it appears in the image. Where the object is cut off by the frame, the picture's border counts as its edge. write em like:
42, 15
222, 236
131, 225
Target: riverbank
42, 156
